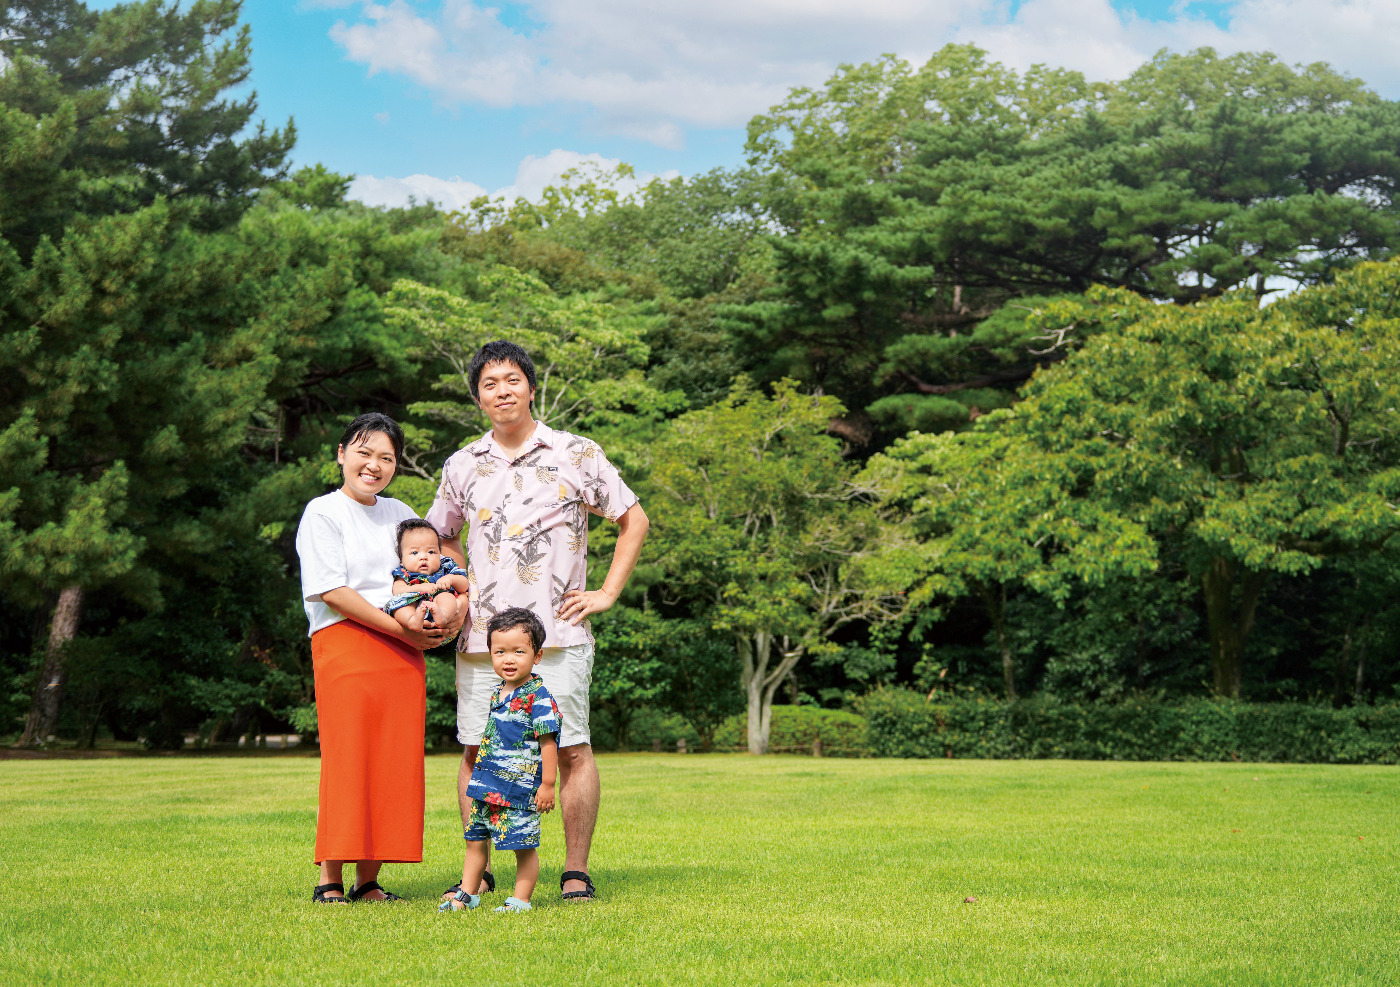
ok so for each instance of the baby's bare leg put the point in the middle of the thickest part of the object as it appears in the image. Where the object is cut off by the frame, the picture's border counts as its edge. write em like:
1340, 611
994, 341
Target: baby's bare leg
411, 617
527, 872
444, 607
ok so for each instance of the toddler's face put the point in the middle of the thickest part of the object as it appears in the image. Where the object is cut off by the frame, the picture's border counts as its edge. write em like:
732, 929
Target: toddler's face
513, 655
419, 552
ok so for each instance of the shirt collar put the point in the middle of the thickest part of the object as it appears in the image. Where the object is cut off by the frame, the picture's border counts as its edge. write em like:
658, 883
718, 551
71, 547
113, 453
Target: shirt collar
487, 445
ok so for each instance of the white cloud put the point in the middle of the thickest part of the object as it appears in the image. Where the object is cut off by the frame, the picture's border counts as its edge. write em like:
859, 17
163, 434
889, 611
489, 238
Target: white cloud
650, 70
531, 178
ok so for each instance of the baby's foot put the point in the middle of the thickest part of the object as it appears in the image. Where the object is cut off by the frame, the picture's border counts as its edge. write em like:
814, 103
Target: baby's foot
514, 905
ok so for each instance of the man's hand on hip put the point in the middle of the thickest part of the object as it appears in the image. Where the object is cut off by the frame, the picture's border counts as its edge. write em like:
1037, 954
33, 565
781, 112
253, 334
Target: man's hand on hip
579, 603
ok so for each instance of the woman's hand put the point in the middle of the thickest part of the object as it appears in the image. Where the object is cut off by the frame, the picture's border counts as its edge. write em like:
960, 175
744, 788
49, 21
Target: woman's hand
424, 640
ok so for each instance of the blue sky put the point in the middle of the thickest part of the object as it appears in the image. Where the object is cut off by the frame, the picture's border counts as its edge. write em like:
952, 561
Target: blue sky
448, 98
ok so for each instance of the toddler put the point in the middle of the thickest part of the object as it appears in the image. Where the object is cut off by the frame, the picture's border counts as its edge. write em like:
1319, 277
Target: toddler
426, 582
512, 780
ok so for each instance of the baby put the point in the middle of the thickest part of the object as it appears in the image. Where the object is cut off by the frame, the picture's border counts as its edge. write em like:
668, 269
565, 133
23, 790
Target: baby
513, 779
426, 582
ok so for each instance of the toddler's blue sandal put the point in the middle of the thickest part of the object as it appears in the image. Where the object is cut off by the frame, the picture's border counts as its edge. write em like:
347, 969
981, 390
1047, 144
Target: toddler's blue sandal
513, 905
460, 902
587, 894
486, 876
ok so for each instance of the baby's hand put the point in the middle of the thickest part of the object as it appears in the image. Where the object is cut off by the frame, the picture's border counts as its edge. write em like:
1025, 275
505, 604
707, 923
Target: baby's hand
544, 798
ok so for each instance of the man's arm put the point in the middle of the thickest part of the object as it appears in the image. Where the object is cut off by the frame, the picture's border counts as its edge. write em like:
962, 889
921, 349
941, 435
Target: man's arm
452, 548
632, 531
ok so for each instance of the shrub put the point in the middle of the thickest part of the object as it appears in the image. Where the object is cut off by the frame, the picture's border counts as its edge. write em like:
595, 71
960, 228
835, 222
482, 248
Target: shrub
795, 727
901, 723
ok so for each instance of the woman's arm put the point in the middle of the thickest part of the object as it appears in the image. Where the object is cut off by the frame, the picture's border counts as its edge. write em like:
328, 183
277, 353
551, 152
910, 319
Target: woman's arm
348, 603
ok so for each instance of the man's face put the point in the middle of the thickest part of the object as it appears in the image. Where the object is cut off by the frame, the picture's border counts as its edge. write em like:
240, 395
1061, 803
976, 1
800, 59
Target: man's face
420, 551
504, 393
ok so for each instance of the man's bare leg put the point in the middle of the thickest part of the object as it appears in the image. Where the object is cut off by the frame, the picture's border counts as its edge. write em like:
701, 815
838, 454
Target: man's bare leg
579, 794
464, 806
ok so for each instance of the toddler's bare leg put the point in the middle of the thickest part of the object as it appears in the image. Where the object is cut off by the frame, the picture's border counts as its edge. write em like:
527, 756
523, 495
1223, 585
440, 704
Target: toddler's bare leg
527, 872
473, 865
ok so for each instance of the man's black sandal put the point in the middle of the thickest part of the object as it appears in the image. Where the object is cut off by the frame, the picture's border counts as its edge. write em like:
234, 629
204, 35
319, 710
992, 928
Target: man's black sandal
587, 894
318, 894
485, 876
358, 893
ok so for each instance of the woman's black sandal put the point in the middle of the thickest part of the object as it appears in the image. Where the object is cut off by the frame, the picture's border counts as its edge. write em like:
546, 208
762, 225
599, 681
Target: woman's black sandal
485, 876
358, 892
587, 894
318, 894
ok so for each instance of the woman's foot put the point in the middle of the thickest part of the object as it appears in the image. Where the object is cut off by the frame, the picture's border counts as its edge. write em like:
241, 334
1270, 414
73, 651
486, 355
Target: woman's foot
371, 891
329, 894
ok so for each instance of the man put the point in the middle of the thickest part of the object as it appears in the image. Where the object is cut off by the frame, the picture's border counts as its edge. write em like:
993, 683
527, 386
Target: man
523, 493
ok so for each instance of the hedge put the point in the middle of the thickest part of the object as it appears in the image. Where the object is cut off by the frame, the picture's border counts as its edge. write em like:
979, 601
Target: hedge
795, 727
901, 723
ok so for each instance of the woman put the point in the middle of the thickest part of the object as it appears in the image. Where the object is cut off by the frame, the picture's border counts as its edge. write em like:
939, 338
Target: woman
370, 689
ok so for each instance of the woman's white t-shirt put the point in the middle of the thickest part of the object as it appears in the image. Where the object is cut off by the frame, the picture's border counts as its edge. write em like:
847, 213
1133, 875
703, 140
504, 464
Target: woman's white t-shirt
345, 543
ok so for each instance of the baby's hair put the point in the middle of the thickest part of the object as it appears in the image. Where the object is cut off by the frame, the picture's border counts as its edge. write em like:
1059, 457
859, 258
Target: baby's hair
412, 524
508, 620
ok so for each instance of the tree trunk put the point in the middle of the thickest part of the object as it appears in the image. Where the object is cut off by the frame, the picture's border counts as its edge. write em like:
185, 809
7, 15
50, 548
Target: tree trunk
760, 681
1230, 624
1341, 671
996, 609
48, 693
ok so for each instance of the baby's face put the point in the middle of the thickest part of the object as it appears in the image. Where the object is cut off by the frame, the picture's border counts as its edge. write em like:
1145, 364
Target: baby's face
420, 551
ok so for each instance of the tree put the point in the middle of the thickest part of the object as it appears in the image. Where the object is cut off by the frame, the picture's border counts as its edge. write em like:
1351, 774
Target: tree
765, 536
993, 515
588, 353
1263, 441
915, 204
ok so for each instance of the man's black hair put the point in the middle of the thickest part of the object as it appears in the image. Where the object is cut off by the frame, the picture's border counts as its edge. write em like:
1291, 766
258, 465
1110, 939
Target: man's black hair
501, 351
367, 424
508, 620
413, 524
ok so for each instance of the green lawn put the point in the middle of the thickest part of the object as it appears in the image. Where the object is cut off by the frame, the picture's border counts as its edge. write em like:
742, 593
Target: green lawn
727, 869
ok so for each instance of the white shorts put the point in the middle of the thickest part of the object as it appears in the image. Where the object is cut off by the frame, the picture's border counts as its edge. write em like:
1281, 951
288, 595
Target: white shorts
566, 673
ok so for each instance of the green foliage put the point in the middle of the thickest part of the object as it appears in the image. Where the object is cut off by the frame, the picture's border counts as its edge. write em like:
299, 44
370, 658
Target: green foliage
906, 724
588, 353
914, 206
794, 728
764, 534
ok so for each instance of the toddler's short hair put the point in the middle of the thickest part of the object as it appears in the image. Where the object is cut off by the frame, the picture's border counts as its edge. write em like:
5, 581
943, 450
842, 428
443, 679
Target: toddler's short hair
508, 620
413, 524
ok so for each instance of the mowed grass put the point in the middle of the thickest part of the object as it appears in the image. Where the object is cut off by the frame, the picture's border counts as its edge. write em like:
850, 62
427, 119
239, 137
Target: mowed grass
726, 869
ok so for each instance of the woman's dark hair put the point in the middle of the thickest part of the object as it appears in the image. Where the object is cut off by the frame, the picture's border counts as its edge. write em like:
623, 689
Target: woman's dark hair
413, 524
368, 424
501, 351
508, 620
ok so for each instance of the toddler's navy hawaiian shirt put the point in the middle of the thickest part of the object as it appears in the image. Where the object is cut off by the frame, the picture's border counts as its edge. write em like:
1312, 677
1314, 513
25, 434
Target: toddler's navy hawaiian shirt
508, 767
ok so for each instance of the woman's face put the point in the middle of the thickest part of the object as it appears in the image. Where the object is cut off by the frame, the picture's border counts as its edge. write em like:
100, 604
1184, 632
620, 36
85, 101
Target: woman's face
368, 465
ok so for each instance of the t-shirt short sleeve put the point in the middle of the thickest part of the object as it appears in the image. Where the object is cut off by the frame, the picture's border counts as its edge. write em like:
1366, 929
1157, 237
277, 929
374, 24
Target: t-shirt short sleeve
603, 489
446, 513
321, 546
544, 715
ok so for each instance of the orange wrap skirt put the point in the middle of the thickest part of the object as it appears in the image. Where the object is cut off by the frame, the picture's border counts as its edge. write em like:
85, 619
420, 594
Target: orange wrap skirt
371, 700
